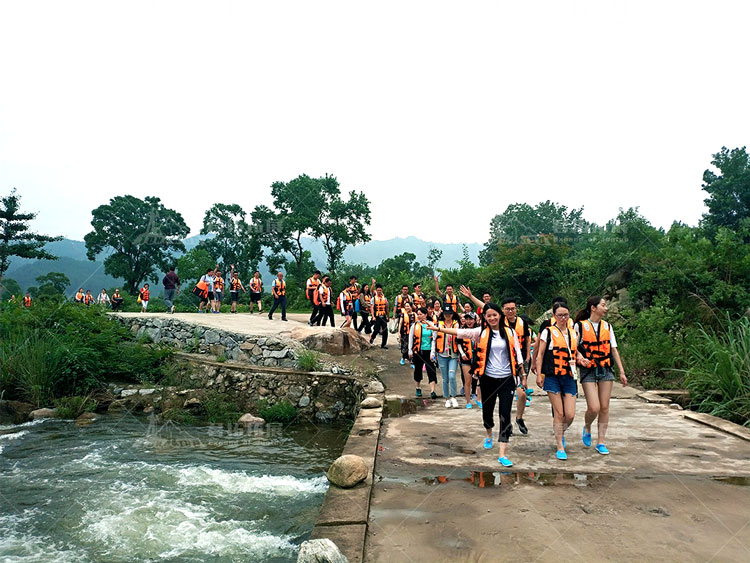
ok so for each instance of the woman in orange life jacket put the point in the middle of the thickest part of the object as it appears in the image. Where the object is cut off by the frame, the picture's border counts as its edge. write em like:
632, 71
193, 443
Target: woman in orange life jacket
466, 348
256, 292
234, 289
324, 296
78, 298
556, 372
145, 296
499, 365
346, 307
88, 299
405, 320
311, 289
365, 299
598, 345
422, 352
446, 350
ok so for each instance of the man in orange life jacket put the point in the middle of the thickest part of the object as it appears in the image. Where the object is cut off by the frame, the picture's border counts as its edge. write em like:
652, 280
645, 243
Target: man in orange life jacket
27, 300
88, 299
353, 291
313, 283
325, 308
401, 300
79, 296
379, 312
513, 321
450, 298
278, 289
256, 292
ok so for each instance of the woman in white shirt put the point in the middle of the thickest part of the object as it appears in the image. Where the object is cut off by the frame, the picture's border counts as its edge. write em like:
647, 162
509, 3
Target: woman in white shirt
598, 346
499, 365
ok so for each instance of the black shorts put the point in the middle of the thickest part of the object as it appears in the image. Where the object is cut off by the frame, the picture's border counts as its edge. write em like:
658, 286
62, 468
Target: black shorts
210, 296
255, 297
218, 295
235, 295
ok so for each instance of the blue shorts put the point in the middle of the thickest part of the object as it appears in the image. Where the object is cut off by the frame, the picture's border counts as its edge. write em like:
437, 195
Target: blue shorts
596, 375
561, 384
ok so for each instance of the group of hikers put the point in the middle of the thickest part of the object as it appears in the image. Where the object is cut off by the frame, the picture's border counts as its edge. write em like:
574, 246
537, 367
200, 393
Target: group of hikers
495, 350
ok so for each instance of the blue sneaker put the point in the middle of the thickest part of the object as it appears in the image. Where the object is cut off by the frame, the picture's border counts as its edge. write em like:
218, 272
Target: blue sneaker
477, 402
563, 442
528, 403
505, 461
561, 455
529, 392
602, 449
488, 443
468, 406
402, 362
586, 438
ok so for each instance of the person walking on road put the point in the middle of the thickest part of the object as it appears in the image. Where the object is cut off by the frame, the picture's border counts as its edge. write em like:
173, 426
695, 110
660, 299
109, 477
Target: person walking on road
446, 351
422, 352
171, 284
256, 292
379, 312
598, 346
278, 290
324, 302
365, 300
103, 299
311, 289
234, 288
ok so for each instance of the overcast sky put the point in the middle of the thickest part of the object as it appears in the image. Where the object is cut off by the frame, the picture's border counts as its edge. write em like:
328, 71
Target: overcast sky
443, 113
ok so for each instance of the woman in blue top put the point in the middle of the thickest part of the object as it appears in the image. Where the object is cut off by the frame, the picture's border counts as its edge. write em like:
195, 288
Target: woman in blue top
422, 352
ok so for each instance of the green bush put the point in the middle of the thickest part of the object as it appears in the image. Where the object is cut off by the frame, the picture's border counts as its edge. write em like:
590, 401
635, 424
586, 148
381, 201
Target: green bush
31, 368
719, 375
220, 409
73, 407
309, 361
283, 411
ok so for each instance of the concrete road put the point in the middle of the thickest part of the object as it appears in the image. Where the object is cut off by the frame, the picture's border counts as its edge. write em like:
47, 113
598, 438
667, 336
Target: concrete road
671, 489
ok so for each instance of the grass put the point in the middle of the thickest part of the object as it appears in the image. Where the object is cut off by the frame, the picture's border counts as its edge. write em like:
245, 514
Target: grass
719, 375
309, 360
30, 368
220, 409
283, 411
73, 407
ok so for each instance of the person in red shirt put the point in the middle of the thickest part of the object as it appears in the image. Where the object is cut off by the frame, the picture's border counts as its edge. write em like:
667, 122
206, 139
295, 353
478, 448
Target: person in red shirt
145, 295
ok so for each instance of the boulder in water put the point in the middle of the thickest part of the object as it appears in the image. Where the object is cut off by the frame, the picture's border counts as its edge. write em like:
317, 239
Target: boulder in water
87, 418
320, 551
347, 471
249, 421
14, 412
43, 413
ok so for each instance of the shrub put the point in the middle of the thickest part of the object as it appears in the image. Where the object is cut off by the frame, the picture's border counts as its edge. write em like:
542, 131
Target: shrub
283, 411
221, 358
221, 409
719, 376
73, 407
309, 361
31, 368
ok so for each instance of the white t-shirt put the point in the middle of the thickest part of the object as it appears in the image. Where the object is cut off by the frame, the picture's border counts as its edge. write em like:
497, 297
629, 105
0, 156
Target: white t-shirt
612, 339
209, 282
498, 362
327, 301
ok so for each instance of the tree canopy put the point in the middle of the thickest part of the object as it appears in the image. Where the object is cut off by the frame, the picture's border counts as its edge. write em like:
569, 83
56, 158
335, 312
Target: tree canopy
143, 235
728, 198
234, 241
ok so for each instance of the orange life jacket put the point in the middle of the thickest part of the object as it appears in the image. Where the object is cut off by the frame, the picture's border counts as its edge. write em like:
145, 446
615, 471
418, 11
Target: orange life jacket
416, 346
452, 302
596, 347
88, 299
343, 301
79, 297
407, 321
415, 298
312, 287
144, 295
482, 350
280, 287
467, 345
256, 285
381, 306
27, 301
320, 297
401, 299
219, 284
353, 291
367, 298
234, 284
520, 332
557, 358
441, 337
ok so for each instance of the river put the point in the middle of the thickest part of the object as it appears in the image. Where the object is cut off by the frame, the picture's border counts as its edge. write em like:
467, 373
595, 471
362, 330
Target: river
130, 489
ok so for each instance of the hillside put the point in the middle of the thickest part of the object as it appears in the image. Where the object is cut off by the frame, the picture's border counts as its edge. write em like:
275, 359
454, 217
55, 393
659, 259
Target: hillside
90, 275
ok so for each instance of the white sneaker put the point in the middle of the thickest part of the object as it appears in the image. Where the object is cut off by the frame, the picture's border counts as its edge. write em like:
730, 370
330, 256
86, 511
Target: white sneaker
454, 403
448, 404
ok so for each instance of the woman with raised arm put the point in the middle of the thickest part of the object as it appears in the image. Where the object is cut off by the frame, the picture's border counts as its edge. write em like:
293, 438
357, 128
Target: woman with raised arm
556, 372
499, 365
598, 346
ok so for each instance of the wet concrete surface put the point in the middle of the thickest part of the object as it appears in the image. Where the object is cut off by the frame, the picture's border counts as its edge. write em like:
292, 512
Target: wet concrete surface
672, 489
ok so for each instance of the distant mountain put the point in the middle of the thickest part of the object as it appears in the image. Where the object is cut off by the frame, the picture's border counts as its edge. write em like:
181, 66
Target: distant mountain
72, 260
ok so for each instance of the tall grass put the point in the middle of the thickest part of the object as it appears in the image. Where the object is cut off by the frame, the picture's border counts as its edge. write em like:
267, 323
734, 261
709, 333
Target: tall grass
31, 367
719, 374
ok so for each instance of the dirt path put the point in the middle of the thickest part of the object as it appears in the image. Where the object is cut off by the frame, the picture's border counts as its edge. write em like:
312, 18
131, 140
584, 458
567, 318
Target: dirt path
671, 490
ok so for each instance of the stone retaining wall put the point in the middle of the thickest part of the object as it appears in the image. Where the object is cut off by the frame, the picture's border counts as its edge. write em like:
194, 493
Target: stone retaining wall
268, 351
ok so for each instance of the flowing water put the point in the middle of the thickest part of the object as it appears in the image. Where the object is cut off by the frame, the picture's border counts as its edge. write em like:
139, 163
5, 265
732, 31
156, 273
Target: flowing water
129, 489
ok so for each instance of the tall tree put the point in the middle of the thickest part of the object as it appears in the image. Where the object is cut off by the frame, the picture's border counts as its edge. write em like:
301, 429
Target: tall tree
521, 223
15, 237
142, 232
342, 222
728, 198
234, 241
53, 283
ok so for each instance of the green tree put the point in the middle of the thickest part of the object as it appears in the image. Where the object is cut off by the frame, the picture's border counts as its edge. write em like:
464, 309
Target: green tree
728, 198
193, 264
341, 223
15, 237
53, 283
142, 232
434, 257
521, 223
8, 287
234, 241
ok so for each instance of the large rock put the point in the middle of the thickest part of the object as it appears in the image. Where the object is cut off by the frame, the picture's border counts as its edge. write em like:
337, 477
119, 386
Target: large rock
14, 412
337, 342
347, 471
375, 386
86, 418
249, 421
320, 551
371, 403
42, 413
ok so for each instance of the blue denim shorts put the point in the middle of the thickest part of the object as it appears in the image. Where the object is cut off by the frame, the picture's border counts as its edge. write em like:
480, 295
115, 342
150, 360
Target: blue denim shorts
596, 375
561, 384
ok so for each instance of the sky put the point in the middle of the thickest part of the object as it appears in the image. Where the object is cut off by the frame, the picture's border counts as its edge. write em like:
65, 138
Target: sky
443, 113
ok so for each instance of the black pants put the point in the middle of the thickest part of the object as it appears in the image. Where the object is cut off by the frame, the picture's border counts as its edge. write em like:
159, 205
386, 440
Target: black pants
405, 345
315, 313
498, 390
365, 324
380, 325
354, 320
276, 302
325, 312
422, 358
